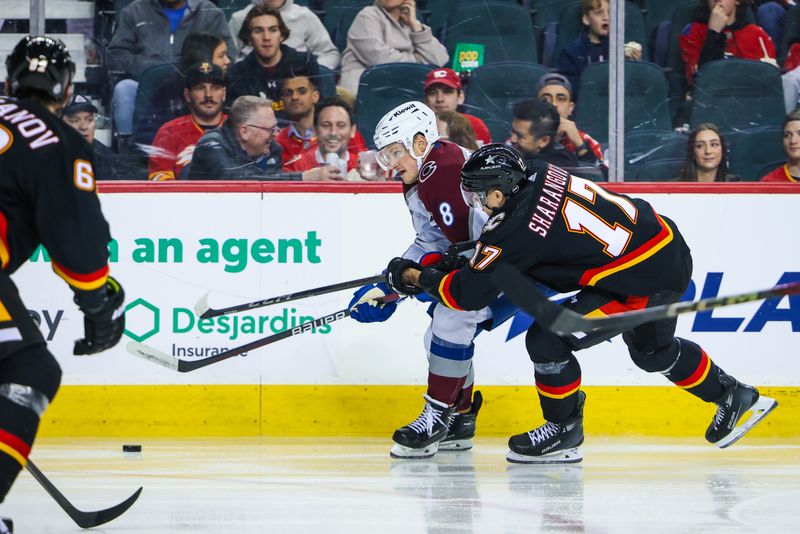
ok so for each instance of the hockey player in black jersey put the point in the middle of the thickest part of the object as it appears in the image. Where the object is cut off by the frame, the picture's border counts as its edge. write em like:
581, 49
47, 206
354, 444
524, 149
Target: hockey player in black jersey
619, 254
47, 197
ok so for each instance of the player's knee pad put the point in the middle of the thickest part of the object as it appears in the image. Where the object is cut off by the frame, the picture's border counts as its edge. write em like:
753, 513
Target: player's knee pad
651, 358
546, 347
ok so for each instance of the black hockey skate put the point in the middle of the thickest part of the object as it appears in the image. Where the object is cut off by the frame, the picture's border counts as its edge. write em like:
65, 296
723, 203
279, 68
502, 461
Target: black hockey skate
551, 443
738, 401
6, 526
421, 437
462, 427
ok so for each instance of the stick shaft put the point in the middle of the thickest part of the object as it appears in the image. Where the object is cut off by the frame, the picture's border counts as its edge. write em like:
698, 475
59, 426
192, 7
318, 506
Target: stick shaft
212, 312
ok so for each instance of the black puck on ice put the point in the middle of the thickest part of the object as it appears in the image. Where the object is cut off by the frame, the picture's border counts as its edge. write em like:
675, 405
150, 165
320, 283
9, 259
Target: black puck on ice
131, 448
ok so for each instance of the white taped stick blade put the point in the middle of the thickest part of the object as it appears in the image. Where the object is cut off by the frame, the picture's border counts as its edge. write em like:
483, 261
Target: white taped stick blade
154, 355
201, 306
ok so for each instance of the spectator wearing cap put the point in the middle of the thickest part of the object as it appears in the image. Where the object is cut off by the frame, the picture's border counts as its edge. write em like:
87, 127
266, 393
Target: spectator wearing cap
175, 141
445, 92
335, 129
388, 32
557, 90
81, 114
271, 61
244, 147
534, 132
306, 31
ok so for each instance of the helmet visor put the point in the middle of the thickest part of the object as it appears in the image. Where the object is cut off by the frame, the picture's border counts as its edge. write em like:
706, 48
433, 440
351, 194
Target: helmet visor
473, 199
389, 155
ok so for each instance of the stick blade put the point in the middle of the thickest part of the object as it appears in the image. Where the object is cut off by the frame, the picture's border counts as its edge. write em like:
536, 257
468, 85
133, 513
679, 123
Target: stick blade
94, 519
201, 307
154, 355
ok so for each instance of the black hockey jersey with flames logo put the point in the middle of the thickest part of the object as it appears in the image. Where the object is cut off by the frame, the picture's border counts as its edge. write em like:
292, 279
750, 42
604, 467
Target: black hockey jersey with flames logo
569, 233
48, 197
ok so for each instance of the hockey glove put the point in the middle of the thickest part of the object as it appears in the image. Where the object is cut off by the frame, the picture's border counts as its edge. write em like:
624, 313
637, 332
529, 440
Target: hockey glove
365, 308
394, 276
103, 317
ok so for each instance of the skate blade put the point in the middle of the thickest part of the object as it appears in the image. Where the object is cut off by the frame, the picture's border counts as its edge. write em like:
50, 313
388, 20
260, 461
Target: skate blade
400, 452
567, 456
456, 445
757, 412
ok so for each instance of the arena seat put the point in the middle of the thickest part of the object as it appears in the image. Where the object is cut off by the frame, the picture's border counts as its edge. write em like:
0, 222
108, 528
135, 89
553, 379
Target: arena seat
738, 94
752, 150
339, 15
658, 11
643, 148
229, 7
657, 170
504, 29
325, 82
153, 106
646, 101
382, 87
570, 25
493, 89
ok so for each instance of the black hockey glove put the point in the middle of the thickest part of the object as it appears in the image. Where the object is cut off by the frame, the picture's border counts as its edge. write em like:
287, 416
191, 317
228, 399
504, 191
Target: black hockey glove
394, 276
103, 317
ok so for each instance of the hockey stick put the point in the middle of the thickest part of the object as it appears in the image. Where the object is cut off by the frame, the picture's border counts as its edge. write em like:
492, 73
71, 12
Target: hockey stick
183, 366
204, 311
523, 292
82, 519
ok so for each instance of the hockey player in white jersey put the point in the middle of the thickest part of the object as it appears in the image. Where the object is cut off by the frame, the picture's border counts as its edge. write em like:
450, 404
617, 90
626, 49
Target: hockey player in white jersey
409, 147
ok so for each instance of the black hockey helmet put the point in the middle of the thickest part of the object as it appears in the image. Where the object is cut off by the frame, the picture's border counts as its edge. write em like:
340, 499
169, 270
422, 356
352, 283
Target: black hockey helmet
494, 166
41, 63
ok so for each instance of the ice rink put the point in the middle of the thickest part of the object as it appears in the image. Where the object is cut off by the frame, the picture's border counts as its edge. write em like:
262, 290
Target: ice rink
347, 485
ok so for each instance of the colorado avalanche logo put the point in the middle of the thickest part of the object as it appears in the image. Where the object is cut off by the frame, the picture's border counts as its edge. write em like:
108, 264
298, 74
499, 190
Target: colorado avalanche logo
427, 171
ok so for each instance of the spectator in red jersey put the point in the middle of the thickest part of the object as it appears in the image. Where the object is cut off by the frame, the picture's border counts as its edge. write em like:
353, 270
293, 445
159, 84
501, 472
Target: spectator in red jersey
175, 141
721, 31
706, 157
790, 171
454, 127
335, 129
557, 90
299, 96
444, 92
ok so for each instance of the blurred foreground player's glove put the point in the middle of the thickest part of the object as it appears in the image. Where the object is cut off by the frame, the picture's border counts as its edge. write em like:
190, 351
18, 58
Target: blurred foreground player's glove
365, 308
394, 276
103, 317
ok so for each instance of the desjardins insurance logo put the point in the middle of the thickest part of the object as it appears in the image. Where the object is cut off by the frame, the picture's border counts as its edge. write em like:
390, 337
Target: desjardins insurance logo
143, 321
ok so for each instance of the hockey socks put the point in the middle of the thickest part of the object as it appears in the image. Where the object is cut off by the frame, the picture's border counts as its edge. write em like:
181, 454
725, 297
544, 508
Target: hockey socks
557, 384
17, 431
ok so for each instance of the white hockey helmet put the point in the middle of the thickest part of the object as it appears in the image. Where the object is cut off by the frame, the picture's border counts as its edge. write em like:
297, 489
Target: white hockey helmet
405, 121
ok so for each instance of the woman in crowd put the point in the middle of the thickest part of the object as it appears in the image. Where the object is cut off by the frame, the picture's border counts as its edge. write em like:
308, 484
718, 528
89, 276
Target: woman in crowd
706, 157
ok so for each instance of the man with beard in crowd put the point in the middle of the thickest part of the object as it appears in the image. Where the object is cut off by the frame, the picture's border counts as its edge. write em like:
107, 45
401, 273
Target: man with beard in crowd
175, 141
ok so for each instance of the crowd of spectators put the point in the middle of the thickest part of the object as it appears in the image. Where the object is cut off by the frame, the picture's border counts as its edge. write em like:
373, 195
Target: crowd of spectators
264, 93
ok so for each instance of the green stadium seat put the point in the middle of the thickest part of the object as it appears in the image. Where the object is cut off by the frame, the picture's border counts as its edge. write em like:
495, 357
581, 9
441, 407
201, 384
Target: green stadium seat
750, 151
383, 87
738, 94
659, 170
493, 89
646, 101
339, 15
504, 29
643, 148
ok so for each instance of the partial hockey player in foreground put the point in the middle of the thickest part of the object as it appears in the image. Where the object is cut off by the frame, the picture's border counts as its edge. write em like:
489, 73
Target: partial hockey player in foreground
570, 234
47, 197
408, 142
